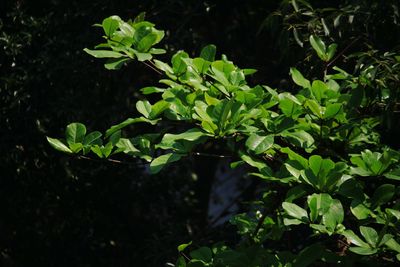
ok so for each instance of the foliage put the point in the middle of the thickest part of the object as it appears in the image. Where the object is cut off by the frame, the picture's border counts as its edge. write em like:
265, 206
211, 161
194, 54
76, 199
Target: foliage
317, 149
366, 32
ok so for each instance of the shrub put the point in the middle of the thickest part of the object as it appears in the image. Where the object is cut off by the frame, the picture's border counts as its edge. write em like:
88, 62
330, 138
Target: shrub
330, 186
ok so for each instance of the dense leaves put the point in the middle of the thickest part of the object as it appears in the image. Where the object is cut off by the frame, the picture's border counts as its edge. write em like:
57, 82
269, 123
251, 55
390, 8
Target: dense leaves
291, 140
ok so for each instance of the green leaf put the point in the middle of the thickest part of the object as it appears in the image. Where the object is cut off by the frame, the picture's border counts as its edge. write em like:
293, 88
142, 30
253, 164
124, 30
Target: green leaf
74, 133
91, 139
107, 149
116, 64
58, 145
127, 122
158, 163
290, 105
182, 247
331, 51
146, 42
296, 157
383, 194
260, 144
103, 53
394, 174
142, 56
393, 212
359, 210
139, 18
178, 64
190, 135
152, 89
97, 150
354, 239
363, 250
208, 52
126, 146
110, 25
295, 211
318, 90
332, 110
260, 165
300, 138
320, 167
114, 138
180, 262
392, 244
370, 235
299, 79
158, 108
319, 47
295, 193
157, 51
203, 254
144, 107
315, 108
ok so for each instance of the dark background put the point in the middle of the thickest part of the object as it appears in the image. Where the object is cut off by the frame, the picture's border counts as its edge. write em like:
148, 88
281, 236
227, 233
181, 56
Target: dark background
57, 210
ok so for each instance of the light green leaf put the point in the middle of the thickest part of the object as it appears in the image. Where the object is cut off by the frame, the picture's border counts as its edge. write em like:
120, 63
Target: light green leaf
359, 210
392, 244
158, 163
320, 167
190, 135
116, 64
318, 90
354, 239
146, 42
299, 138
127, 122
332, 110
158, 108
103, 53
74, 133
315, 108
142, 56
92, 138
299, 79
182, 247
296, 157
393, 212
260, 143
363, 250
260, 165
144, 107
319, 47
394, 174
110, 25
152, 89
157, 51
331, 51
295, 211
126, 146
58, 145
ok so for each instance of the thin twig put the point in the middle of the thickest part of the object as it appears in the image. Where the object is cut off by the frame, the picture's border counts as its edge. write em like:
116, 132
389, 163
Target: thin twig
210, 155
343, 51
152, 67
111, 161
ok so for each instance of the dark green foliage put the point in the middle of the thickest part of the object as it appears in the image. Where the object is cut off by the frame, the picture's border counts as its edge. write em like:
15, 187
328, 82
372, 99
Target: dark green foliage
320, 150
308, 140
